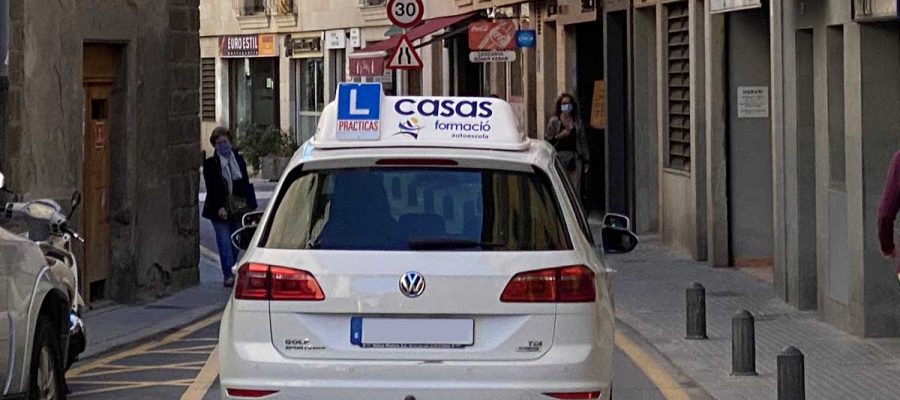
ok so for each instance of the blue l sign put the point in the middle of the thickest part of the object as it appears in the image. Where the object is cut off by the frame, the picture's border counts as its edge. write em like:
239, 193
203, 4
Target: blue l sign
359, 101
526, 39
359, 111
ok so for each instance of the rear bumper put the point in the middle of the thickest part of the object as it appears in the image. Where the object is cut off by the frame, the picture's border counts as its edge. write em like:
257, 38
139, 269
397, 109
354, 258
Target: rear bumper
409, 393
562, 369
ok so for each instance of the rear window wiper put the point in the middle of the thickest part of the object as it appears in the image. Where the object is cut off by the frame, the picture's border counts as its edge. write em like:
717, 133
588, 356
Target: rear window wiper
451, 244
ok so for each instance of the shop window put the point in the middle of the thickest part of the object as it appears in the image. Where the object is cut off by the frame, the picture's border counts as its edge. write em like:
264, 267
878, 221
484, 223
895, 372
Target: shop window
678, 148
254, 93
337, 71
208, 89
310, 91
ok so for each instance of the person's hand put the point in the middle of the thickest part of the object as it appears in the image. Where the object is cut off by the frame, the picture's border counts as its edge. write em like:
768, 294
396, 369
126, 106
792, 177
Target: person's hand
889, 254
587, 167
563, 134
223, 213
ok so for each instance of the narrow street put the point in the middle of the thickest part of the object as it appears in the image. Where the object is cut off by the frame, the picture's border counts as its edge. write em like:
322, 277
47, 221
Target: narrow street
184, 363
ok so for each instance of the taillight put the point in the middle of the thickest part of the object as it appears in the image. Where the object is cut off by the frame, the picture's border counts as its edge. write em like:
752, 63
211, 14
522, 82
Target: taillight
250, 393
265, 282
252, 282
575, 396
574, 284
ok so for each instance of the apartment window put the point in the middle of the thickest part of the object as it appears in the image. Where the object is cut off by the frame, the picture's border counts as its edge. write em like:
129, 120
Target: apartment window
678, 149
372, 3
208, 89
285, 7
249, 7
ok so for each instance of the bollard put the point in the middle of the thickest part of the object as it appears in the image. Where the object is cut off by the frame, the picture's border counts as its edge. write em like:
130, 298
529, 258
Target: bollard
791, 375
743, 344
696, 312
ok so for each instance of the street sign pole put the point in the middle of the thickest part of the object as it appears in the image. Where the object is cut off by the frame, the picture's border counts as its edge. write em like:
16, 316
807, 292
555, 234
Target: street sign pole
405, 14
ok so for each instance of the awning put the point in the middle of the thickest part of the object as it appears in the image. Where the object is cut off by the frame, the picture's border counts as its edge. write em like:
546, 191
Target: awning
424, 29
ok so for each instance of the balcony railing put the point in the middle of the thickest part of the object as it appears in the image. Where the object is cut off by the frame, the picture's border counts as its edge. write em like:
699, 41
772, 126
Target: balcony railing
372, 3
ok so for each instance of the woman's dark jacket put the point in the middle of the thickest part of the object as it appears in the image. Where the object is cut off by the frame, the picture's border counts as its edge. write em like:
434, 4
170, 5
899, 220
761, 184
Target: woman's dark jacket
217, 187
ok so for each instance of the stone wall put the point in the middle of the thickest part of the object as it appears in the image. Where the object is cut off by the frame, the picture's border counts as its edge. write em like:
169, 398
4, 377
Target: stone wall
155, 149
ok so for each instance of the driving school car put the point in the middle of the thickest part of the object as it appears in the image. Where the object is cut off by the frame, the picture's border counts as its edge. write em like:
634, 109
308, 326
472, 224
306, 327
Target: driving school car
421, 248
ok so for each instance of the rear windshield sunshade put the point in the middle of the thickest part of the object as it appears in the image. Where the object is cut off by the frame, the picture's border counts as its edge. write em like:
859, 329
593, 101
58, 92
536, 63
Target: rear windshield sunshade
417, 209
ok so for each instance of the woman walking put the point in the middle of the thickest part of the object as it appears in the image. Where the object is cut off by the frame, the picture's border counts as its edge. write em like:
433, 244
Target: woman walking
566, 132
228, 196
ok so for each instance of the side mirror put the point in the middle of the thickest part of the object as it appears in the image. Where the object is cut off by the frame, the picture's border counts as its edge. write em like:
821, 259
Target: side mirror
6, 196
618, 241
252, 218
242, 238
617, 221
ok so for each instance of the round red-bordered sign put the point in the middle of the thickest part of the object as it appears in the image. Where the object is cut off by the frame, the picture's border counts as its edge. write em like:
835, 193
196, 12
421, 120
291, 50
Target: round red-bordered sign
405, 13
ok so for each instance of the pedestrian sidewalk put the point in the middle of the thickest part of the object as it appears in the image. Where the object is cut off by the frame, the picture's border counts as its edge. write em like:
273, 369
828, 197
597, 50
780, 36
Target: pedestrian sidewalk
649, 296
113, 327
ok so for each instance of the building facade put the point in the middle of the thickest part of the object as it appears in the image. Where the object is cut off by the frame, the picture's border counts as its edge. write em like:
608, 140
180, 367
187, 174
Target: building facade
774, 133
103, 98
751, 134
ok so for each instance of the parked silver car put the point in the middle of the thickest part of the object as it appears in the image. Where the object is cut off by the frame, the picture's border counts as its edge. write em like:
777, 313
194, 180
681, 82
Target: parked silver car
36, 299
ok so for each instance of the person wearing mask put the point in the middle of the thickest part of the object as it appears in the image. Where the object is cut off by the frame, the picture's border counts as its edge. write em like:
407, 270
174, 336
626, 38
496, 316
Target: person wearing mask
887, 211
566, 132
229, 196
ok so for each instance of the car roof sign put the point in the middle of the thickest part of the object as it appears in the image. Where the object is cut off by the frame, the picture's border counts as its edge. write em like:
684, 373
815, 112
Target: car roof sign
363, 117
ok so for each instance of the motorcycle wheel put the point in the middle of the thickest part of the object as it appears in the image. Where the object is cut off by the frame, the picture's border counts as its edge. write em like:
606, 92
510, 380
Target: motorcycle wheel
46, 379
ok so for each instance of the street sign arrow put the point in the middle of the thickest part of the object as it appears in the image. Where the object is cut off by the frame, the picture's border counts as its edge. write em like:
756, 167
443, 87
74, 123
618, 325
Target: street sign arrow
405, 56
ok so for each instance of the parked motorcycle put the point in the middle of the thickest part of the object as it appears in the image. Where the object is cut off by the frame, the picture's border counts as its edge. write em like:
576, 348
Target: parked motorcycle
48, 228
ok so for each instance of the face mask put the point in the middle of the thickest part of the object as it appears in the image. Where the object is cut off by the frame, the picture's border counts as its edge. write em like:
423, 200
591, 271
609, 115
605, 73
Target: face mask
566, 108
223, 149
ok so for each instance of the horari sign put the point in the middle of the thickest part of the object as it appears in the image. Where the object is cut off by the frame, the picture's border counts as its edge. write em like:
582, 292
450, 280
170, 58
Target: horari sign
723, 6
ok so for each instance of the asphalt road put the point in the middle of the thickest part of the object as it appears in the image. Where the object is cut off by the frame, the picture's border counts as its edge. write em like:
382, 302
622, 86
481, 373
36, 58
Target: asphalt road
183, 365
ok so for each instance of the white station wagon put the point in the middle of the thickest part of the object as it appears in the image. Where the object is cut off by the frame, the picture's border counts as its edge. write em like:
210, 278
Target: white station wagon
421, 249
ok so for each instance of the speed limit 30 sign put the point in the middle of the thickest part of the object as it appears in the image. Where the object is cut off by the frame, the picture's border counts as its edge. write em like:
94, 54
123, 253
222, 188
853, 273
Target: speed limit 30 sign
405, 13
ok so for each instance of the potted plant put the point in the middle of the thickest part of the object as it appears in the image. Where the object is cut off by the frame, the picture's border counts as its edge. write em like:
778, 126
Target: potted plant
267, 149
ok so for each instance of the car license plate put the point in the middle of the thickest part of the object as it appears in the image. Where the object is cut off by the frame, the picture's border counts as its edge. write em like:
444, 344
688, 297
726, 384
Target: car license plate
412, 333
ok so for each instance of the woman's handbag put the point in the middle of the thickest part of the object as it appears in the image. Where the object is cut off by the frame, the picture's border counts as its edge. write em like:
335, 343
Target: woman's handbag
237, 206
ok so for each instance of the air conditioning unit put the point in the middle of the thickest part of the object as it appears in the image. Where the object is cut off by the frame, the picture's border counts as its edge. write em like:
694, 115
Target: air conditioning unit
875, 10
306, 45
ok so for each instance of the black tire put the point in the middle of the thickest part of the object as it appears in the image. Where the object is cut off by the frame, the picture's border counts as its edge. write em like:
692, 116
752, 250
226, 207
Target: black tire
46, 377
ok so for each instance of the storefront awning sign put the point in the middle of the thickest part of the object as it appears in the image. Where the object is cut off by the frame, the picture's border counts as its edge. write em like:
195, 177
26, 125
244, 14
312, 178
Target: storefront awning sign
240, 46
492, 56
492, 36
722, 6
367, 65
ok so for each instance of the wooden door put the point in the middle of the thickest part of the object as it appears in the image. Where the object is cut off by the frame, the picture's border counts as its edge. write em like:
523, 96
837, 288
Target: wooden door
100, 68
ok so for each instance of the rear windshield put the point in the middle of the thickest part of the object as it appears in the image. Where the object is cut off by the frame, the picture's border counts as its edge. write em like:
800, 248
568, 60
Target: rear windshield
417, 209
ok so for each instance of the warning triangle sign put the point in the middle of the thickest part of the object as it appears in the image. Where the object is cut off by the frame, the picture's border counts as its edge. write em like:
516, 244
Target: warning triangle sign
405, 56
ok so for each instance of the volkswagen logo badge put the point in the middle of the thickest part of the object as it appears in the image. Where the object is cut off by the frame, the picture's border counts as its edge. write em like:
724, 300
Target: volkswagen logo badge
412, 284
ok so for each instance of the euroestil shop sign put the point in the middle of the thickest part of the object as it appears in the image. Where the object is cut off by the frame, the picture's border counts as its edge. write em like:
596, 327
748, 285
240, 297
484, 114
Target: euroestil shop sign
722, 6
241, 46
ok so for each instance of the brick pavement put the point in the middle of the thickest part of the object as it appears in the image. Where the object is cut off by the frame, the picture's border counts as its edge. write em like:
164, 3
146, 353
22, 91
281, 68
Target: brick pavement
649, 296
